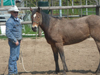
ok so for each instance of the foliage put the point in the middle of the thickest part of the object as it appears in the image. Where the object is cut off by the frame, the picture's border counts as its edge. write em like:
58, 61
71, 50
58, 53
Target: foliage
30, 3
78, 2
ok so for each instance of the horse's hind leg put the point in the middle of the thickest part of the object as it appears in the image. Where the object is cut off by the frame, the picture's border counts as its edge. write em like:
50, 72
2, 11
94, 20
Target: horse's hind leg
98, 46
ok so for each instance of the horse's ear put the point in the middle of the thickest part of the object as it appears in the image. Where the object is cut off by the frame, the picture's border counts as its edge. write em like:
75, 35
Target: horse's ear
31, 9
39, 9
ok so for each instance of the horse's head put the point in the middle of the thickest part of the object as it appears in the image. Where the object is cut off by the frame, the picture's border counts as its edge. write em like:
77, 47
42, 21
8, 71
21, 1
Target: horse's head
36, 18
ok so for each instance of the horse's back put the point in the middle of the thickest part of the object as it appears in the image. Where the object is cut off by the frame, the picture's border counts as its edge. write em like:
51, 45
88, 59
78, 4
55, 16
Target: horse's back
74, 30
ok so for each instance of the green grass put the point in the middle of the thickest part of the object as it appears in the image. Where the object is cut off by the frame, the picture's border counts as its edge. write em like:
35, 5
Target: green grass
28, 29
3, 37
76, 11
33, 37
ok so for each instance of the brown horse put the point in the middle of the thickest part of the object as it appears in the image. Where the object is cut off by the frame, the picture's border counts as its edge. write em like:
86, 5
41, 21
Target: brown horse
59, 32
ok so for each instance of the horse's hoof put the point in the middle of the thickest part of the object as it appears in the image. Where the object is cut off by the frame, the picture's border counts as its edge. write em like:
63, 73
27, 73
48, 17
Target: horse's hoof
64, 73
57, 72
67, 70
97, 73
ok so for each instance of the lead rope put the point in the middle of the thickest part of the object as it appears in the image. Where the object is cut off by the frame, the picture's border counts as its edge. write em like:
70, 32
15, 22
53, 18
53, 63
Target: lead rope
21, 56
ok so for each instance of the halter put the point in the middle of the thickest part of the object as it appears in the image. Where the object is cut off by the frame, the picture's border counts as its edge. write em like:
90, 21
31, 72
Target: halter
36, 22
39, 21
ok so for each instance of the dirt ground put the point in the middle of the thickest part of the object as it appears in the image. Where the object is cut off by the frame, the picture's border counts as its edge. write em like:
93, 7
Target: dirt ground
81, 58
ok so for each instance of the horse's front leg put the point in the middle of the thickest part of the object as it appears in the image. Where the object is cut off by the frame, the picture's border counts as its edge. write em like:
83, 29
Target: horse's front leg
55, 52
59, 47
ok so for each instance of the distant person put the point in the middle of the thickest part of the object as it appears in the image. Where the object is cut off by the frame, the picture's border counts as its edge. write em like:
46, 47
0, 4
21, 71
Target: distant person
14, 35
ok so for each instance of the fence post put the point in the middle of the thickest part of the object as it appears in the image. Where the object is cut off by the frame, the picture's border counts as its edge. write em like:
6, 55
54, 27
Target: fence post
67, 9
81, 8
1, 3
97, 10
39, 32
99, 7
60, 11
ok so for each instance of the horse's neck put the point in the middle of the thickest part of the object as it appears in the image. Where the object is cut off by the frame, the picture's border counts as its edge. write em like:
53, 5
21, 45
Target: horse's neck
45, 22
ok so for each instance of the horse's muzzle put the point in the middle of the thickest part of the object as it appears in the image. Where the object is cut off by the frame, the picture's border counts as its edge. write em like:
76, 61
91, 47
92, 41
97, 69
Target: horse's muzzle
34, 29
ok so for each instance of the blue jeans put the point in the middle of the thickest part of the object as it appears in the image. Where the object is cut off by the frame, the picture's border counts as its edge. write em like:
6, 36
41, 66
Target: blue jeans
14, 56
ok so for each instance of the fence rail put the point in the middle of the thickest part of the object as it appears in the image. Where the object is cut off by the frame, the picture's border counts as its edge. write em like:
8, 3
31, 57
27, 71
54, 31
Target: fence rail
25, 22
53, 7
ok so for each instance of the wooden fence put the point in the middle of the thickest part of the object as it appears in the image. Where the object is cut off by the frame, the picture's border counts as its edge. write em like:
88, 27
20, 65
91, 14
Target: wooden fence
52, 8
25, 22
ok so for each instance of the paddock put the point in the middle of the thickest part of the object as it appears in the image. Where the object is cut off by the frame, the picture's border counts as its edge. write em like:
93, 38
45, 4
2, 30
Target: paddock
81, 58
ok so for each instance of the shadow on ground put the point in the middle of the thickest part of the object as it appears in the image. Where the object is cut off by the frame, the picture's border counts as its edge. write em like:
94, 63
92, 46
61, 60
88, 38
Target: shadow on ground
53, 72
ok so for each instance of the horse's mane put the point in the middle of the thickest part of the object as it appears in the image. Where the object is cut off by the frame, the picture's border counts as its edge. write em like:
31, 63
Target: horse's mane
34, 11
60, 18
45, 18
44, 15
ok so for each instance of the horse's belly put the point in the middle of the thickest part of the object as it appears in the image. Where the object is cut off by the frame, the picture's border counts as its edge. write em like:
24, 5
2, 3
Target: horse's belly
75, 39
